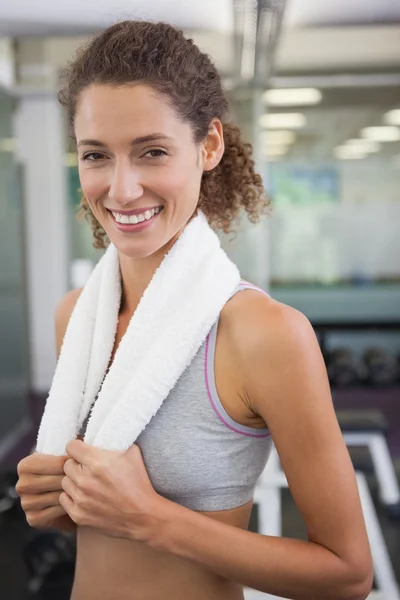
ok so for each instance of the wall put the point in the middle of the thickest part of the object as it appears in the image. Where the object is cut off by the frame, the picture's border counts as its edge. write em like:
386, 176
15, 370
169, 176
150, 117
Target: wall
353, 237
13, 323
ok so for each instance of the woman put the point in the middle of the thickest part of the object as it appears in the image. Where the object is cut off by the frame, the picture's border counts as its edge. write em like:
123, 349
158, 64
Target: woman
154, 144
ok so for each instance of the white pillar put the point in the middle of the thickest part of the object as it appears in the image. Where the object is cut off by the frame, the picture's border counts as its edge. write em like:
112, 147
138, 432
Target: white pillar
259, 234
41, 146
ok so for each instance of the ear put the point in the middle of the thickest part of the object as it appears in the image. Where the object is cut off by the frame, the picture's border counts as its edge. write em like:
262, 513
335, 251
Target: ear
213, 146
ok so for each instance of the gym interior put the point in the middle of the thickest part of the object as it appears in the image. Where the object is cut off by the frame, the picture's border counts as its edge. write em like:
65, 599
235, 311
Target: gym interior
315, 88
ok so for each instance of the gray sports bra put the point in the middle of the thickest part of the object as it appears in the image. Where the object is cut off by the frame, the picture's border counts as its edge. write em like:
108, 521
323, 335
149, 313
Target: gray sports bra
194, 452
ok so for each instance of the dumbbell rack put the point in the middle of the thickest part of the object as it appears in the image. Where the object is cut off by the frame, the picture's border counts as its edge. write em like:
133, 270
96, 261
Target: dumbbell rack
323, 329
268, 498
372, 438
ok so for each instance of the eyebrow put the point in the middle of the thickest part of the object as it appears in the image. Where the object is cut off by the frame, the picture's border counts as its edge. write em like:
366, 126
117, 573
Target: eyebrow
152, 137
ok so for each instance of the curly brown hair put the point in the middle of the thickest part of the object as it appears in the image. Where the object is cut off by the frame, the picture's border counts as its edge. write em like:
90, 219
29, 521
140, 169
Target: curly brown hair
159, 55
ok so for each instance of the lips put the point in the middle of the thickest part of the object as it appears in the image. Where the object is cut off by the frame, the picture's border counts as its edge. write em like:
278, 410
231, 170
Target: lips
134, 211
138, 226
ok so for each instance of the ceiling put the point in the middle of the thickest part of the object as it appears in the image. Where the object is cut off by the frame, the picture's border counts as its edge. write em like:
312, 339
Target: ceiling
344, 47
328, 128
307, 13
340, 116
46, 17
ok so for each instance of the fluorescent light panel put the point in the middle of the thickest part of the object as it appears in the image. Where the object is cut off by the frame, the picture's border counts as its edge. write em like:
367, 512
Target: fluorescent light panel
282, 120
392, 117
276, 151
364, 145
277, 137
386, 133
292, 97
348, 152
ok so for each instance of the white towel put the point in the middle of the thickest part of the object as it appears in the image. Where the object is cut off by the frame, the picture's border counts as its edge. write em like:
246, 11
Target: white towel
175, 314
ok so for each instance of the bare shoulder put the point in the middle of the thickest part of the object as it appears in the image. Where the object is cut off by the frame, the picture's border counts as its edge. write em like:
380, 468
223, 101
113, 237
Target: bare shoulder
274, 352
63, 314
254, 321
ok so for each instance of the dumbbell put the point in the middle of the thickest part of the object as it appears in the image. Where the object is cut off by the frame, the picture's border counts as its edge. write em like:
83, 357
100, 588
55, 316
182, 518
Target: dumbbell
398, 368
342, 367
380, 367
50, 558
9, 499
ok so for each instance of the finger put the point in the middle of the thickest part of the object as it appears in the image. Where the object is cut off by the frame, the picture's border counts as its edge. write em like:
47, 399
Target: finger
73, 470
43, 517
67, 504
38, 502
35, 484
42, 464
82, 453
69, 487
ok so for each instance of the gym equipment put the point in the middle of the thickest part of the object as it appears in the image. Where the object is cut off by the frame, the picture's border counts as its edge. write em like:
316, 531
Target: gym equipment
9, 499
380, 367
368, 427
50, 558
268, 497
398, 367
342, 367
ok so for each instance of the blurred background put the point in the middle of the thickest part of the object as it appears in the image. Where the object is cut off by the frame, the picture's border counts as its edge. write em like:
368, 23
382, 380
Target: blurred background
315, 87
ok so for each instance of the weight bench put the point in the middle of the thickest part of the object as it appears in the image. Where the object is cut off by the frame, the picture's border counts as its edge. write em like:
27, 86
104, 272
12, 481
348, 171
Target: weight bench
368, 427
268, 498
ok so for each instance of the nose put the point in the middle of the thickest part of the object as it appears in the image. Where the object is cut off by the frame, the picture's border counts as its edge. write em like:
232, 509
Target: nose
125, 186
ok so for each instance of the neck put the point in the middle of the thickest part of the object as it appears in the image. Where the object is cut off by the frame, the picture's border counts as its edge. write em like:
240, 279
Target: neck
136, 274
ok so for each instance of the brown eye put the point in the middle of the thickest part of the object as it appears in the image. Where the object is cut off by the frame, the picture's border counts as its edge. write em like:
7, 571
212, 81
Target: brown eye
93, 156
156, 153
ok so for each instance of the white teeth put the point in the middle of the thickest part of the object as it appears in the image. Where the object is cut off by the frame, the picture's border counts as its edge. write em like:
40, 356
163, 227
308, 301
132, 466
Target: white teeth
134, 219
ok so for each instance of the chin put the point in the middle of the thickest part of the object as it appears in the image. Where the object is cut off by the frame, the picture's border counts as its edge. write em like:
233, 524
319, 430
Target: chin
133, 249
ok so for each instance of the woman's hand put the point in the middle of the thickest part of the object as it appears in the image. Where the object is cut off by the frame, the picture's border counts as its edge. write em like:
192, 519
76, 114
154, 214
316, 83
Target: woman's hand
110, 491
39, 487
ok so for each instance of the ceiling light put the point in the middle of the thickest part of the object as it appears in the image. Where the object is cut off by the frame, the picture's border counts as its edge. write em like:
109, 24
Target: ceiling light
292, 97
277, 137
275, 150
382, 134
392, 117
282, 120
348, 153
364, 145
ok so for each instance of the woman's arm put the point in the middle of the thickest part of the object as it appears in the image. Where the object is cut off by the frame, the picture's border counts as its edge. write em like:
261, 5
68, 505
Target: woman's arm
62, 316
285, 382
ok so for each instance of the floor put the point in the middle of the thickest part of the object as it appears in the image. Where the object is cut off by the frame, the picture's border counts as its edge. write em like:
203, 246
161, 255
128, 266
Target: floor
15, 533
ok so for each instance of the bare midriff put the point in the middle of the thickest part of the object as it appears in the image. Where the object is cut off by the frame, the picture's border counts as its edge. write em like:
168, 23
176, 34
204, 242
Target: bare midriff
115, 569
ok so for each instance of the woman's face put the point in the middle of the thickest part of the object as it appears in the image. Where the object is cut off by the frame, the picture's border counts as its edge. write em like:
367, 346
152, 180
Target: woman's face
139, 167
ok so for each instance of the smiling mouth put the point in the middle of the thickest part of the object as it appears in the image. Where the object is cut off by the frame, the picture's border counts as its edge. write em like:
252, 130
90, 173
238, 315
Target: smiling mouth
136, 219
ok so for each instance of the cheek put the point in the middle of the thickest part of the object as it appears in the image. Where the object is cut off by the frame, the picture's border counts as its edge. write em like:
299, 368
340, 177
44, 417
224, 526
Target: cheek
93, 183
179, 181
